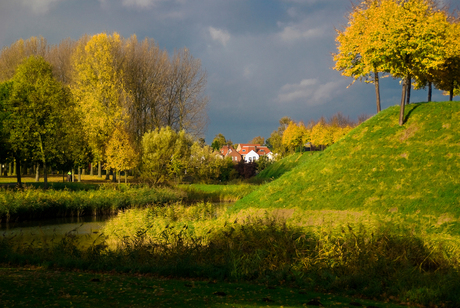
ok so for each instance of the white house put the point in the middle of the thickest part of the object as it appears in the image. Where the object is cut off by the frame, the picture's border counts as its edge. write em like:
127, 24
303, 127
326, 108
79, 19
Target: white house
251, 156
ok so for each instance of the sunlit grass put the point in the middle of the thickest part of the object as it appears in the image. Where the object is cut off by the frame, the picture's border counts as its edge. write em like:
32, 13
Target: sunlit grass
79, 200
377, 167
217, 193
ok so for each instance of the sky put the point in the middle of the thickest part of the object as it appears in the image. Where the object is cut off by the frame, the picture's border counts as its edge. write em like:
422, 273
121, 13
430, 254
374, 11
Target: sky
264, 59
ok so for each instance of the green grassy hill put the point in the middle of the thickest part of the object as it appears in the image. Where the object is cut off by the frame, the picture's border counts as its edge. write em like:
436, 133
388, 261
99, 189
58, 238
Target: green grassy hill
286, 164
379, 167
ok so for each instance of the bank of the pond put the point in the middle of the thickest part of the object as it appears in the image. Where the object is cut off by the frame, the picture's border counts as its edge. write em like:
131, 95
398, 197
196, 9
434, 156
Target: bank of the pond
78, 200
30, 203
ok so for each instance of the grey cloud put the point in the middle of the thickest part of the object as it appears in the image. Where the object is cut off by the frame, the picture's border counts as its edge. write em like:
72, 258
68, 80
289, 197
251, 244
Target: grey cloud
219, 35
39, 6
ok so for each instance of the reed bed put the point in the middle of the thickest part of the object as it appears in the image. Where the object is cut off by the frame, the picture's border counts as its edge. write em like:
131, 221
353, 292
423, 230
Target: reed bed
355, 253
34, 203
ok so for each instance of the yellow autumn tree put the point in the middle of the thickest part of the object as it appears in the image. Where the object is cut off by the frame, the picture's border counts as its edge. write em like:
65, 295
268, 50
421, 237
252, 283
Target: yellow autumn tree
356, 53
447, 75
295, 135
320, 134
121, 153
98, 89
402, 38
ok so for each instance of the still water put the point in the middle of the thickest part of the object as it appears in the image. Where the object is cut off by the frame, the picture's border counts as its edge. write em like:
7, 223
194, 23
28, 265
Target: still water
87, 229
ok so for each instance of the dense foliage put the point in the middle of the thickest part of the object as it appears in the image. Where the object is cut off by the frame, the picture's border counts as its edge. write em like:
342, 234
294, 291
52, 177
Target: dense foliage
410, 40
92, 100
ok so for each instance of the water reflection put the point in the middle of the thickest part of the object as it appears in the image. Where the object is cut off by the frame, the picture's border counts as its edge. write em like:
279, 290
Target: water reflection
86, 228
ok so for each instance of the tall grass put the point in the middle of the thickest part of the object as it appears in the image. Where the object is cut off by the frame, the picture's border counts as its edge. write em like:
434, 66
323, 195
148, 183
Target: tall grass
31, 203
356, 253
217, 193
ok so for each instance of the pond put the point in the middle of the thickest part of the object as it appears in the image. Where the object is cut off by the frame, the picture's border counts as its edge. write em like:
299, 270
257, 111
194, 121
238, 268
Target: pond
87, 229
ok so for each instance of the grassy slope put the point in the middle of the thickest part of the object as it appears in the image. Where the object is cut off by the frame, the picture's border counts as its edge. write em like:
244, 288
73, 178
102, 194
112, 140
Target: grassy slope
379, 167
276, 170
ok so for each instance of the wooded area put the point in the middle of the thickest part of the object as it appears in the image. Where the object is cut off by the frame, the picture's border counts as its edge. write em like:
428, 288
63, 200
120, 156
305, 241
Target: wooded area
68, 105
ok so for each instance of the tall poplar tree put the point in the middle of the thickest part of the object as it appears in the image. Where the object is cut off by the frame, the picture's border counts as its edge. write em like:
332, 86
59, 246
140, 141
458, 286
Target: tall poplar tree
98, 89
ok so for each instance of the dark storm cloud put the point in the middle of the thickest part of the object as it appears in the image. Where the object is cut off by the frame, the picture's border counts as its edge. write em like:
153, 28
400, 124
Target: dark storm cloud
264, 59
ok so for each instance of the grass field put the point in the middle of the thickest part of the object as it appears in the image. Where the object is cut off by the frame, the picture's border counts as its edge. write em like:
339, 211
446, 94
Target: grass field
22, 287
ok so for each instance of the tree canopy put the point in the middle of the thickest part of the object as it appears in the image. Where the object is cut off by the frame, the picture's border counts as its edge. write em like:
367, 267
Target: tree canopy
37, 107
410, 40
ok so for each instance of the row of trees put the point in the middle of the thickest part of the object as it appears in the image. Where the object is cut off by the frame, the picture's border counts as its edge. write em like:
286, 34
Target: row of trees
412, 40
94, 99
291, 136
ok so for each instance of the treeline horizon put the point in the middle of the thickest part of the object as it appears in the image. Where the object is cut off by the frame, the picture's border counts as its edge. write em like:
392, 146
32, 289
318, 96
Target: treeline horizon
92, 100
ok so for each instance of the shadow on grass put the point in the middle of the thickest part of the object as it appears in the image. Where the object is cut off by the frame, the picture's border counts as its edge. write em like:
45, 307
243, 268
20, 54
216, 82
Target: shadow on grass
354, 261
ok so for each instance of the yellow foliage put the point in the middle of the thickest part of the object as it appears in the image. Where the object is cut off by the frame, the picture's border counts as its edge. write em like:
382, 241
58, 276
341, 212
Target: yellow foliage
121, 153
295, 135
98, 88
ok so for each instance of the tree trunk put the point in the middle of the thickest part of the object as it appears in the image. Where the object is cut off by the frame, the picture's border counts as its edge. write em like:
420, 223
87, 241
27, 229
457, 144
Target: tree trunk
37, 172
79, 174
451, 95
14, 167
91, 172
377, 90
72, 175
403, 100
408, 89
114, 176
18, 171
83, 171
107, 174
430, 91
99, 169
119, 178
45, 175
